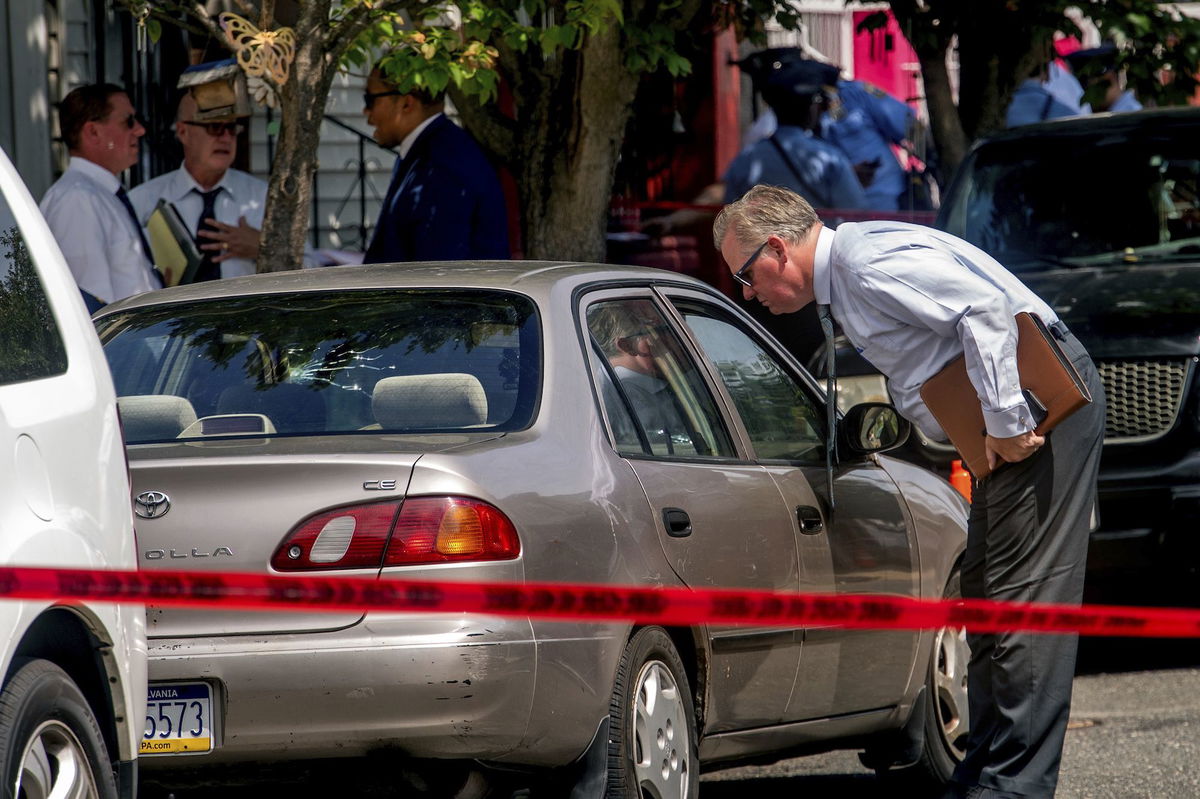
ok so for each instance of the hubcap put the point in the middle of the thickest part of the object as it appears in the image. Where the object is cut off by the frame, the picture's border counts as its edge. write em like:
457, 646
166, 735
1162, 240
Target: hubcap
950, 688
661, 743
55, 765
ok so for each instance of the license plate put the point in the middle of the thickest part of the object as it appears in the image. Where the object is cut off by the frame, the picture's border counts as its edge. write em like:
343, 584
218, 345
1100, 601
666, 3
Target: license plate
178, 719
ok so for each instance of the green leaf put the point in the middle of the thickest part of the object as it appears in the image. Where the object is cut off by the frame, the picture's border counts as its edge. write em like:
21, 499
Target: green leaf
154, 30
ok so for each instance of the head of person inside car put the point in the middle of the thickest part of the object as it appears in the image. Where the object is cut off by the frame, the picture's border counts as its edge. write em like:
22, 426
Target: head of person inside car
99, 124
209, 147
395, 114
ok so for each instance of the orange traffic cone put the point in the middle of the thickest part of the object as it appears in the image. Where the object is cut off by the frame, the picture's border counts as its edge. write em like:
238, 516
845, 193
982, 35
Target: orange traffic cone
960, 478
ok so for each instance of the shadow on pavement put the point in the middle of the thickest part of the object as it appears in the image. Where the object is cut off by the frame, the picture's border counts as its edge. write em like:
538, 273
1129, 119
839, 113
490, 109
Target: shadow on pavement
843, 786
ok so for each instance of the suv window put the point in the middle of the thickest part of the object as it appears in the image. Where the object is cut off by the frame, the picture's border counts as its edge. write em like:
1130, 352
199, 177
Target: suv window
1067, 197
29, 337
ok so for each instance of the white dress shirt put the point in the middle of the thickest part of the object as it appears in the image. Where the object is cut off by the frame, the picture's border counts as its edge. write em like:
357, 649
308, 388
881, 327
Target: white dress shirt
99, 239
911, 299
242, 194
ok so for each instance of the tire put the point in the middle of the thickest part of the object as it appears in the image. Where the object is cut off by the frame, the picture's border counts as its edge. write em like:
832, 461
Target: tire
947, 719
49, 739
652, 745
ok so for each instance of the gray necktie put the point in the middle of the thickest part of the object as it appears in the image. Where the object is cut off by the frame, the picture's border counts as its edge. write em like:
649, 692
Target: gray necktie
826, 319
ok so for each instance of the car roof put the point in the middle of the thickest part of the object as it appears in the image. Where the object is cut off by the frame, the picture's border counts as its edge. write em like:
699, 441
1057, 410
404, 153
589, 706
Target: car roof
536, 278
1089, 125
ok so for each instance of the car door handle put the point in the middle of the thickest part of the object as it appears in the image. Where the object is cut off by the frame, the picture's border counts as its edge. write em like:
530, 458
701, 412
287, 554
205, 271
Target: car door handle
677, 522
810, 520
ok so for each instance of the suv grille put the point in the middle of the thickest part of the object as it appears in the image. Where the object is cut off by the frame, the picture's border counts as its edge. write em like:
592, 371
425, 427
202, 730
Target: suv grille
1144, 397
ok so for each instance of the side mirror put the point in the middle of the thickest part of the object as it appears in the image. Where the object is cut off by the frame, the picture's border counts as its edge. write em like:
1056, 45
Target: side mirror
874, 427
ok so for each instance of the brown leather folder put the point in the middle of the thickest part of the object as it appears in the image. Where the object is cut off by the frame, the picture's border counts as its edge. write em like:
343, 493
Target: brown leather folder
1052, 387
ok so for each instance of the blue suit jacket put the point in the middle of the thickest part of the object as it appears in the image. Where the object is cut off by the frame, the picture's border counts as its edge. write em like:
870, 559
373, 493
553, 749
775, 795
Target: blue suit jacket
444, 203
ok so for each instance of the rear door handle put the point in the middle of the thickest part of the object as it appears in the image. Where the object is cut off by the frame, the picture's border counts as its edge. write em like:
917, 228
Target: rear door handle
677, 522
810, 520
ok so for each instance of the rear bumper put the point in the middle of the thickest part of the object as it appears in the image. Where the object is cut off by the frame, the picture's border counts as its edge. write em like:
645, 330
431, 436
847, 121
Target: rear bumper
432, 686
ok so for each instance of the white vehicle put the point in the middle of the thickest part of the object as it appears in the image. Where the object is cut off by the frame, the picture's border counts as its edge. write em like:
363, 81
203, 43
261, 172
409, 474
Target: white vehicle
72, 702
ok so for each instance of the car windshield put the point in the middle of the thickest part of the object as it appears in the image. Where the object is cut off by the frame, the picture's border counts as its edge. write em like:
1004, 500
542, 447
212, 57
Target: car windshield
325, 363
1073, 201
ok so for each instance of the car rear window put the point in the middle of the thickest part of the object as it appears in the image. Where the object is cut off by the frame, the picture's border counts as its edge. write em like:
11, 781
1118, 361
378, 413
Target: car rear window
428, 361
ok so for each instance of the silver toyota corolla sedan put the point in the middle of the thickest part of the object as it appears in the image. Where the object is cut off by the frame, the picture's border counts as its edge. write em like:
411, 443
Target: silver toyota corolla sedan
511, 422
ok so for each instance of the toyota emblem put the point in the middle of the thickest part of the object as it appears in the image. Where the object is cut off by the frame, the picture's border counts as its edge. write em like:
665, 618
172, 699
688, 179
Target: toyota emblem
151, 504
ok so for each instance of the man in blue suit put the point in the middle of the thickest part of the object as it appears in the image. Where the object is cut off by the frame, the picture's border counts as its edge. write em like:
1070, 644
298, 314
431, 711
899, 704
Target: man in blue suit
444, 202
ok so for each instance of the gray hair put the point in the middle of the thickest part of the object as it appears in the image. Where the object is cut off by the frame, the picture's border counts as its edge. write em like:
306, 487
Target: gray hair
765, 211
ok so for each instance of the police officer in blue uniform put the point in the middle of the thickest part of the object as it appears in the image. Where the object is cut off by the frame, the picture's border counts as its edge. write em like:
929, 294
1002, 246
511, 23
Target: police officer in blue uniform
1098, 66
793, 156
861, 120
1038, 98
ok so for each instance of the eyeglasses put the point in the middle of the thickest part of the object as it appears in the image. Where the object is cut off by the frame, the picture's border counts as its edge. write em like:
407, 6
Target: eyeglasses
215, 129
743, 275
370, 97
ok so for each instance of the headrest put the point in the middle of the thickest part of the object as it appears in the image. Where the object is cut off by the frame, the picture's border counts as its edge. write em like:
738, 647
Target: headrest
154, 417
436, 400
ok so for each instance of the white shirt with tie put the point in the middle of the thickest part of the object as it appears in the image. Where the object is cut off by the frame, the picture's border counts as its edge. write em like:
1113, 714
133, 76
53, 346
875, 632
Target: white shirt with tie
98, 237
242, 194
911, 299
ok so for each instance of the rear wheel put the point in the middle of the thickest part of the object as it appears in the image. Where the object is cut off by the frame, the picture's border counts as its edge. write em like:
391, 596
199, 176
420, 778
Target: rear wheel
49, 740
652, 750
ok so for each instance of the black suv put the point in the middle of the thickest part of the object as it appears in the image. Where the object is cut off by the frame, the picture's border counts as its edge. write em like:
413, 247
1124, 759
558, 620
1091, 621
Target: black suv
1099, 215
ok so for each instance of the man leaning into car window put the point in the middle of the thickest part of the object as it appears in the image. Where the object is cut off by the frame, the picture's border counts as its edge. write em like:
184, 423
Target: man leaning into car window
912, 299
87, 209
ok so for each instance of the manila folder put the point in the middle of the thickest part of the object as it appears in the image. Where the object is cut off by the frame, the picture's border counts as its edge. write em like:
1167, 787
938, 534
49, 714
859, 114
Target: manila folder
1052, 387
176, 255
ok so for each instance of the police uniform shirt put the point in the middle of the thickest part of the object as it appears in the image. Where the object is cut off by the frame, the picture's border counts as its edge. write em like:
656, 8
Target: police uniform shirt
1060, 95
911, 299
96, 234
241, 195
1126, 102
864, 125
818, 171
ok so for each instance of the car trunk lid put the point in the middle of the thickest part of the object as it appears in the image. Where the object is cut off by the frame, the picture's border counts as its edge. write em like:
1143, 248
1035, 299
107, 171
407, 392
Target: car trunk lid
230, 509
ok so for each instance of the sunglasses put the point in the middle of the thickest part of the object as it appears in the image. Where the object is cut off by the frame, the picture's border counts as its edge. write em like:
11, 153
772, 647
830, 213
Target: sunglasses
370, 97
215, 129
743, 275
131, 121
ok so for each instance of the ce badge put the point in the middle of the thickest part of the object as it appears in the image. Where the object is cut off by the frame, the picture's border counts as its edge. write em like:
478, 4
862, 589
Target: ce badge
151, 504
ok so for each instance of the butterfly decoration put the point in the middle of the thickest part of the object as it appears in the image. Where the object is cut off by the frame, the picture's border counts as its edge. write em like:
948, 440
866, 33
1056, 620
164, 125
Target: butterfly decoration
260, 53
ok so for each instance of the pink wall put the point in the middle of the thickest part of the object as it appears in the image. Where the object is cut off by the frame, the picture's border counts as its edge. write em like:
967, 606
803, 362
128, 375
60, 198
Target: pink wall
884, 58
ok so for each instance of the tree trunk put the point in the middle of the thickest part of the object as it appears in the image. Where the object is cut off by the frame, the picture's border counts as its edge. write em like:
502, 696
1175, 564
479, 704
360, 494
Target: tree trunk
569, 139
948, 136
302, 107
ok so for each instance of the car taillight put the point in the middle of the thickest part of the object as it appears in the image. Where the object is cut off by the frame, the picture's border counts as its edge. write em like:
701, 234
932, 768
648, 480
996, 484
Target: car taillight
450, 530
344, 538
420, 530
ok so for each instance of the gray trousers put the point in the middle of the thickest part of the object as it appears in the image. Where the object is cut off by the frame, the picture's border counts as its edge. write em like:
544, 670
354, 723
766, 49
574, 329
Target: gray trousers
1027, 541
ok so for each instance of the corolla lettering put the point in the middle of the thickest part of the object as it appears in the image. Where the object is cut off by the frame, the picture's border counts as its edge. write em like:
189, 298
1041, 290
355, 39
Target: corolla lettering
159, 554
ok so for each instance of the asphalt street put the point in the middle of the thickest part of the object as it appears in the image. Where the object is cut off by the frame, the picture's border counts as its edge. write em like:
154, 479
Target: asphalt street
1135, 732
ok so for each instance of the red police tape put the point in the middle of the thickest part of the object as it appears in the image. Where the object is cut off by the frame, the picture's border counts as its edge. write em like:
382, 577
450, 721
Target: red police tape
586, 602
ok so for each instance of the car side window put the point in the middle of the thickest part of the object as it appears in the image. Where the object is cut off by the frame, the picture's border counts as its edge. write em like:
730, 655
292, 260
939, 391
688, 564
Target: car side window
655, 397
29, 337
783, 420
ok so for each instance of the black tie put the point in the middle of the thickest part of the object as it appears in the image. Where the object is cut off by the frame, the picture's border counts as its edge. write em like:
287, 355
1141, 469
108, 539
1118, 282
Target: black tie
207, 269
124, 198
830, 396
